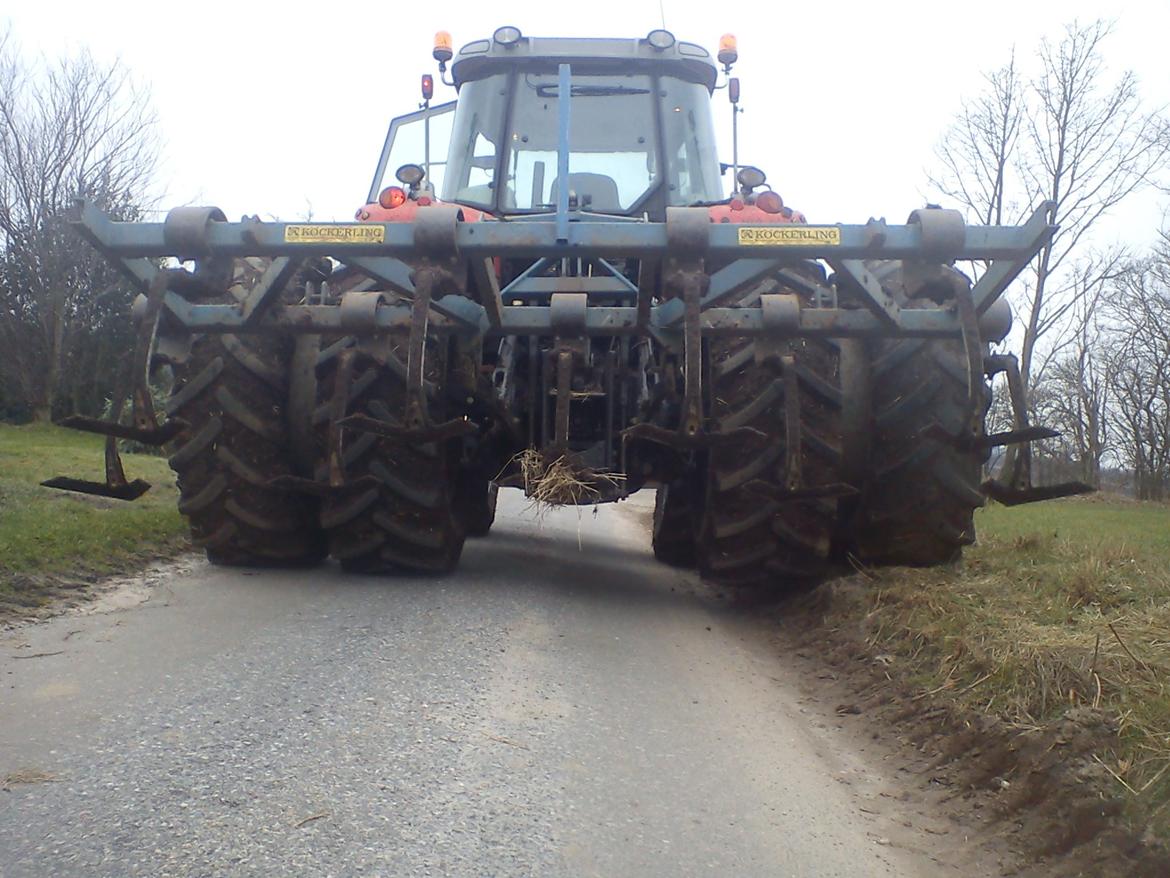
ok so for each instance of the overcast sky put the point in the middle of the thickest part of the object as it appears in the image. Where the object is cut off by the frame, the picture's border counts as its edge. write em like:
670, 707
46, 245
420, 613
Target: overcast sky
273, 107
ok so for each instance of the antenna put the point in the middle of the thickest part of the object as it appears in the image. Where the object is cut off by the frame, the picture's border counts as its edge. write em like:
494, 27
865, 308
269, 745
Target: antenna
662, 14
733, 94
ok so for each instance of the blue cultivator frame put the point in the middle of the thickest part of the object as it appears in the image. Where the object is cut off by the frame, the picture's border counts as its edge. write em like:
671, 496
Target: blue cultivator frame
403, 264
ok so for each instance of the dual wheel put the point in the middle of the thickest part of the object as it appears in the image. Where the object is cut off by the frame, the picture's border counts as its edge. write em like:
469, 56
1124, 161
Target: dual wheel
406, 507
872, 415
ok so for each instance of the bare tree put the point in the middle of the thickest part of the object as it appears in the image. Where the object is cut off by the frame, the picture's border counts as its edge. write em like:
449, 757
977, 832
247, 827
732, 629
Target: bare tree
1139, 371
1074, 396
978, 154
72, 127
1069, 136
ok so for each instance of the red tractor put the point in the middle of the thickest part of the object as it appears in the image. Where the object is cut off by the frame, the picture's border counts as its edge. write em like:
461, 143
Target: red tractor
558, 293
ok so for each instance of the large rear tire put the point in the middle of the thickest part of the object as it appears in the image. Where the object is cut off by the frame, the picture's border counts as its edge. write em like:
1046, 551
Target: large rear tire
673, 535
746, 538
403, 518
233, 393
475, 504
918, 506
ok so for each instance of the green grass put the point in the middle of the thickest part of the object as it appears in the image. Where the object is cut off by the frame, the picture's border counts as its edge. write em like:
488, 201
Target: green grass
1060, 605
47, 534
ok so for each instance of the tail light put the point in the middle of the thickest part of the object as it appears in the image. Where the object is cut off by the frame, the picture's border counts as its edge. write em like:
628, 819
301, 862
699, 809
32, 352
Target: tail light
392, 196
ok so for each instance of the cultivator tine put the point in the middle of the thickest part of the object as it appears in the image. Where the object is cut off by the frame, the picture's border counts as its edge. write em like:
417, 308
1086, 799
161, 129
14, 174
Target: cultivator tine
420, 309
1015, 485
144, 427
991, 440
158, 435
1015, 437
334, 484
792, 454
564, 395
115, 486
973, 349
692, 420
337, 408
1001, 493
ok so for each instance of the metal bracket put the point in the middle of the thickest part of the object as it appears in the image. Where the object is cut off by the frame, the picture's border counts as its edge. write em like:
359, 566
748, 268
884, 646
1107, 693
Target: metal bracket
692, 418
484, 273
567, 314
268, 289
416, 397
973, 349
564, 397
792, 445
723, 286
686, 241
1036, 232
874, 296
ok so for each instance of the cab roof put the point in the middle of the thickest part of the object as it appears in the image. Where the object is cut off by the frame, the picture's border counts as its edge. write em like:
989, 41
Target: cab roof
482, 58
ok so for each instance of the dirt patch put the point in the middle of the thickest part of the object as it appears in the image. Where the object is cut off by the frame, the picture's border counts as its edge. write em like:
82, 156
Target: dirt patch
1042, 791
26, 776
46, 595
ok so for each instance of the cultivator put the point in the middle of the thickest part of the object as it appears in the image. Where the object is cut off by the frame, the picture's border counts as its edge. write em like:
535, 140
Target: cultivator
363, 388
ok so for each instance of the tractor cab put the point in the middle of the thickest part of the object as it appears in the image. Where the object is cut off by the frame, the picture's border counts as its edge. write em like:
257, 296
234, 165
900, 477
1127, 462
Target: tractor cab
638, 131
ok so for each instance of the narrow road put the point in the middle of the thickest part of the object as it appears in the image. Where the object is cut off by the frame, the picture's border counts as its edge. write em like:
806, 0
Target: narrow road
562, 705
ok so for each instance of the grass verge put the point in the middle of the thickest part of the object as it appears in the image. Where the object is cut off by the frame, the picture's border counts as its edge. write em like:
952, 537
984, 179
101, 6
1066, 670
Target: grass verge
49, 537
1060, 613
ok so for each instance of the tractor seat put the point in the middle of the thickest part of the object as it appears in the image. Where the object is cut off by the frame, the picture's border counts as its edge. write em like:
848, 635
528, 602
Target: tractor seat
601, 190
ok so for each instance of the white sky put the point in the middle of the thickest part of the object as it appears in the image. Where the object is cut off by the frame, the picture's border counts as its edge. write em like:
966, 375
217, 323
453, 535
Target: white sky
270, 107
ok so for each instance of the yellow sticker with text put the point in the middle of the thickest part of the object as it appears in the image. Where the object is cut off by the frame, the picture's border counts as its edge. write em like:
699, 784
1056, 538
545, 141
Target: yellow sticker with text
790, 236
335, 233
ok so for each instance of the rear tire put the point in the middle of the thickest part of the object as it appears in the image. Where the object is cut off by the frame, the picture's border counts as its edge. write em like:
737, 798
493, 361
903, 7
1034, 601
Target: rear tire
475, 505
233, 393
404, 518
673, 538
918, 506
747, 539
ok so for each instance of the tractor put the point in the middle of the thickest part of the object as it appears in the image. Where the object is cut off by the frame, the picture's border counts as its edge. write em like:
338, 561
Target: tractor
561, 289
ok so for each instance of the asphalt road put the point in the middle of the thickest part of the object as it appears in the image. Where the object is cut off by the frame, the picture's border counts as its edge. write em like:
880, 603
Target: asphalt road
561, 706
